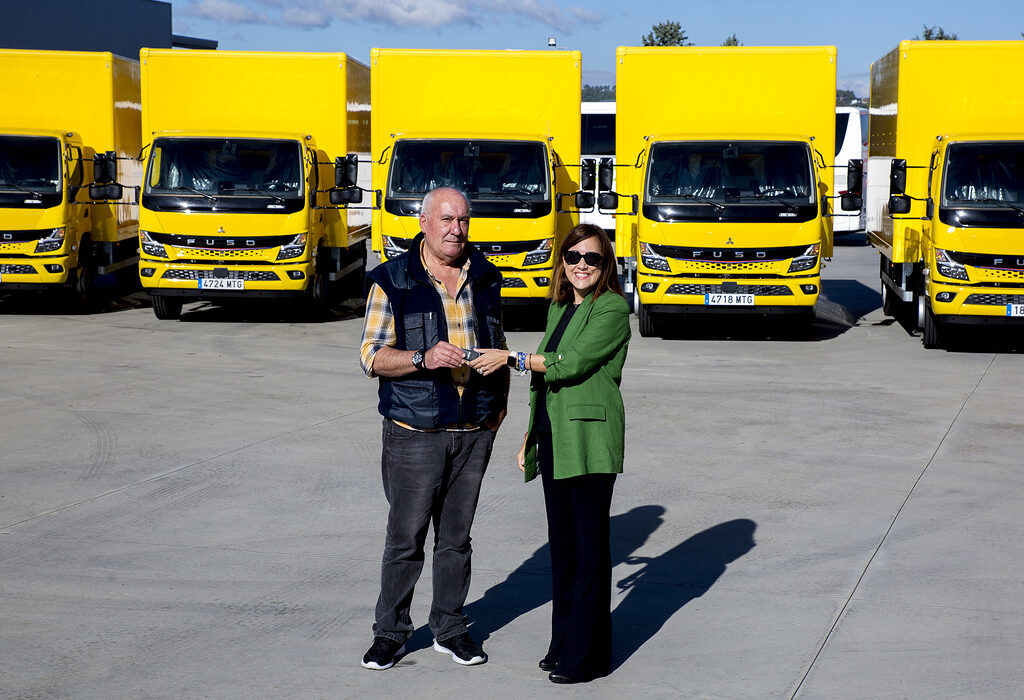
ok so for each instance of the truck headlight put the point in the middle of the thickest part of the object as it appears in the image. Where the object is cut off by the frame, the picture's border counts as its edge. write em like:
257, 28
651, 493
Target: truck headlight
294, 249
151, 247
51, 241
393, 246
948, 267
806, 261
653, 260
540, 255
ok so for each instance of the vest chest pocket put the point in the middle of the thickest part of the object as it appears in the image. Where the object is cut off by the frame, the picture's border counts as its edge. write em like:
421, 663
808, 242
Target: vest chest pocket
587, 412
420, 330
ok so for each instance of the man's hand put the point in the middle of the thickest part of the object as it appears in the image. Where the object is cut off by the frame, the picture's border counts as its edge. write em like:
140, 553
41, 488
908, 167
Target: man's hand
443, 354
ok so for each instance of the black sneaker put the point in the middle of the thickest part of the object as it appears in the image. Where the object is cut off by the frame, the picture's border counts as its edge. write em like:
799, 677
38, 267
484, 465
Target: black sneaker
463, 649
382, 654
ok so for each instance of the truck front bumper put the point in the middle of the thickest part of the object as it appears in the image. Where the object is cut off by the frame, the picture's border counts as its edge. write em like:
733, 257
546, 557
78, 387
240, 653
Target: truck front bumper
679, 294
210, 281
524, 286
35, 272
976, 305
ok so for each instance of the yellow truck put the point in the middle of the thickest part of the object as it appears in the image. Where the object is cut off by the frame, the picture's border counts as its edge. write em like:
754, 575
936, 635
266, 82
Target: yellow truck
505, 130
946, 210
243, 151
65, 117
723, 157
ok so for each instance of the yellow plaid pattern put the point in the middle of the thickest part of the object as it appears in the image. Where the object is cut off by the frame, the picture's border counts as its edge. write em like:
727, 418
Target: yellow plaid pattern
460, 317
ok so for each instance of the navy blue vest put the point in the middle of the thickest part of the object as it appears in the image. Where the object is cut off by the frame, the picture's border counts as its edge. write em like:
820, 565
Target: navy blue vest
428, 398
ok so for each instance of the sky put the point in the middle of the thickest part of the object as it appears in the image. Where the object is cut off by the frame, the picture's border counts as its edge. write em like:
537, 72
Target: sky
862, 31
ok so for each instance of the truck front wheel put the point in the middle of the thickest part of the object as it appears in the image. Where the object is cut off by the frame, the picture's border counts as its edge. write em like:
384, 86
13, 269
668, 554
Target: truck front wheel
932, 335
167, 308
648, 326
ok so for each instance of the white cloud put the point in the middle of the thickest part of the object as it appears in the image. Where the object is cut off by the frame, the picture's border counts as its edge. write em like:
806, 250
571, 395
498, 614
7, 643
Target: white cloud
317, 14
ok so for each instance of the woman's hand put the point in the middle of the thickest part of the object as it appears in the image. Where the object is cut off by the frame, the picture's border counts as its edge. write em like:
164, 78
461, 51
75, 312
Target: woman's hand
489, 361
521, 455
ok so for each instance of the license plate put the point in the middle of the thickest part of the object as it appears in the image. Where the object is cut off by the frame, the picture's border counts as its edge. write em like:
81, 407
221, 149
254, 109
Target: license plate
1015, 309
220, 283
728, 299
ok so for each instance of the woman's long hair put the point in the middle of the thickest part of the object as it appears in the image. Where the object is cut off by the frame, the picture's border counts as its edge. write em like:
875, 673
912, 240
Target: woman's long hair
561, 289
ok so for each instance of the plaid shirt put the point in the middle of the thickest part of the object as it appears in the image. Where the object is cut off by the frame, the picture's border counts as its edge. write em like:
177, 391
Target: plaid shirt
460, 316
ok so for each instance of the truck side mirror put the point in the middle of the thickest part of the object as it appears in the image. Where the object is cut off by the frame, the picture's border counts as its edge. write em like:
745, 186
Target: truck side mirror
851, 201
346, 170
105, 192
608, 200
587, 174
605, 175
855, 176
899, 204
585, 200
104, 167
348, 195
898, 176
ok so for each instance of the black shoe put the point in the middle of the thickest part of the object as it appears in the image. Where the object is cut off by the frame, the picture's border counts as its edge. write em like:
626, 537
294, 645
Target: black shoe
382, 654
547, 664
462, 649
560, 679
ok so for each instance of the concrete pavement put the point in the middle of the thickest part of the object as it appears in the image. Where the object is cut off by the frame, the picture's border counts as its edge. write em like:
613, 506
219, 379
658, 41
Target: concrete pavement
193, 509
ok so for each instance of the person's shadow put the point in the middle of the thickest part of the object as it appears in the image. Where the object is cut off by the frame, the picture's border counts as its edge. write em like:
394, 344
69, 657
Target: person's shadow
529, 586
668, 582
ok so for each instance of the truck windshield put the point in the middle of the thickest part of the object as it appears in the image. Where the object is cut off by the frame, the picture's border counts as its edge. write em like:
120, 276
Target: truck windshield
256, 174
29, 168
736, 180
501, 178
984, 184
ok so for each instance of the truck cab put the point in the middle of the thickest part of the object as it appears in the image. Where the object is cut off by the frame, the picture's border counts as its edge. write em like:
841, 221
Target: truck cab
228, 213
969, 233
728, 224
511, 183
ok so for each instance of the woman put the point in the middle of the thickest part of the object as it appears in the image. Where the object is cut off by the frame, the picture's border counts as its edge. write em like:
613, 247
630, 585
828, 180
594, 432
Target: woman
575, 440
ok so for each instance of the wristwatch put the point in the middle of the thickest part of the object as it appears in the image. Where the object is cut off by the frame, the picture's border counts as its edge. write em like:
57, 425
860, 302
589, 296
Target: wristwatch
417, 360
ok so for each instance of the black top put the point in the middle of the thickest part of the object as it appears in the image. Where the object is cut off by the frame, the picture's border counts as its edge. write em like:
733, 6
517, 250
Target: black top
541, 422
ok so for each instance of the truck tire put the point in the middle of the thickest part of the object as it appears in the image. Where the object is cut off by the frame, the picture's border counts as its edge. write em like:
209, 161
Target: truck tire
888, 302
931, 338
648, 326
81, 285
167, 308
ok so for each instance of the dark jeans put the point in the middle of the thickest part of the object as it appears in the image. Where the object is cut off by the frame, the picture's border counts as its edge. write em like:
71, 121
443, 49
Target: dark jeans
429, 478
581, 568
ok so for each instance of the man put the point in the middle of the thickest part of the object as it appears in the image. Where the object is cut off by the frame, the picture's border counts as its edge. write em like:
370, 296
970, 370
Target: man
440, 417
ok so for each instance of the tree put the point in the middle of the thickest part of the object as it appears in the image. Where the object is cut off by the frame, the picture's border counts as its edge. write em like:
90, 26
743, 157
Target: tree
667, 33
936, 34
731, 40
598, 93
846, 98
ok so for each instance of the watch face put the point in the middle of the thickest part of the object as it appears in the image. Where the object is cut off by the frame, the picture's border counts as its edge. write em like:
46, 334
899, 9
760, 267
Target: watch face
417, 358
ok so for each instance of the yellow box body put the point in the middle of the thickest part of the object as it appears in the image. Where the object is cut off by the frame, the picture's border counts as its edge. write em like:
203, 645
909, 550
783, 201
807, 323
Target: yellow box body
731, 94
927, 96
531, 96
318, 100
88, 103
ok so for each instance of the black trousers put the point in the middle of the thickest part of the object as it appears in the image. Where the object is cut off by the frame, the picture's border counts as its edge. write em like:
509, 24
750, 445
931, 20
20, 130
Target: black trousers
581, 568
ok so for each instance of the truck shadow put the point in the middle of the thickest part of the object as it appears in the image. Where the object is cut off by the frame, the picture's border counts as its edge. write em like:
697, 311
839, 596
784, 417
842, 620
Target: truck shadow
270, 311
108, 299
994, 338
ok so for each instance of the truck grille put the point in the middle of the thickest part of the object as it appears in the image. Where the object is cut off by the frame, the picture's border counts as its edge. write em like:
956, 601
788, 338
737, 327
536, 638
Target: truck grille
995, 299
247, 275
1004, 274
17, 270
764, 290
512, 282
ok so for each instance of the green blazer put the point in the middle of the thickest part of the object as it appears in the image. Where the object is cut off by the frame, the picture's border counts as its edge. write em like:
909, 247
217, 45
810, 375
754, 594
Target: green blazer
582, 380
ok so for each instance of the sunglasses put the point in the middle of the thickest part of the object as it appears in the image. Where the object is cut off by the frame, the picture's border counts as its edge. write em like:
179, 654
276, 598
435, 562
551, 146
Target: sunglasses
573, 257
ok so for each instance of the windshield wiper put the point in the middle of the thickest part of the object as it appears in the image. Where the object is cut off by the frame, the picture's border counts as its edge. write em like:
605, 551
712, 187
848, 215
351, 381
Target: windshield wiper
198, 192
23, 189
718, 207
505, 194
1001, 203
277, 198
774, 199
